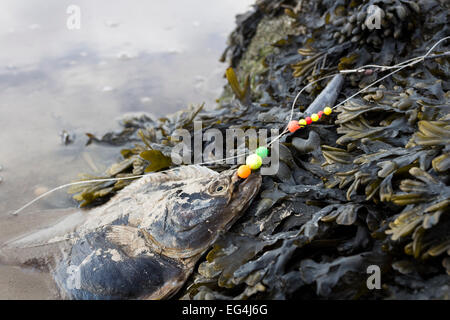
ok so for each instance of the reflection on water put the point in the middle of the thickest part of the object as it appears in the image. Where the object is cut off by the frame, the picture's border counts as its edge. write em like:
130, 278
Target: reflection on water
128, 56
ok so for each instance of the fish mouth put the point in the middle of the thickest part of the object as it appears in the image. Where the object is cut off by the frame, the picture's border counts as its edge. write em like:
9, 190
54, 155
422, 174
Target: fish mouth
243, 188
249, 186
242, 192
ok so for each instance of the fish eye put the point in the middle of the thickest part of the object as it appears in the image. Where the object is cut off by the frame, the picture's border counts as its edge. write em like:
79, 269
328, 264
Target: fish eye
218, 187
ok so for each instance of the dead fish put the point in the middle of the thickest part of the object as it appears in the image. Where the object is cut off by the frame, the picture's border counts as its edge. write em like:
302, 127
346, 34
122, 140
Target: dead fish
145, 241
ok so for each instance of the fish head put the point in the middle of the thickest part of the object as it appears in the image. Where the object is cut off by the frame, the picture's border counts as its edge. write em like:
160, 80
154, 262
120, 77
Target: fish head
233, 196
196, 213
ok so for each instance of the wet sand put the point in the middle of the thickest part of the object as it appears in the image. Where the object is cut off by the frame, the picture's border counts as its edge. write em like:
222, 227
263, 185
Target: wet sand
24, 284
27, 283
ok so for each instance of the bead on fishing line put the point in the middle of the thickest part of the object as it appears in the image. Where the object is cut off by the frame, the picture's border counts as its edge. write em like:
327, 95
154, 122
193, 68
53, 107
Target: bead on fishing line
314, 117
302, 122
262, 152
254, 161
244, 171
327, 111
308, 120
293, 126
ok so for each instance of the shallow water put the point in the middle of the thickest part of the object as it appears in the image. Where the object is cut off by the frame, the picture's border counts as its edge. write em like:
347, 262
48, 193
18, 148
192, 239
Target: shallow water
150, 56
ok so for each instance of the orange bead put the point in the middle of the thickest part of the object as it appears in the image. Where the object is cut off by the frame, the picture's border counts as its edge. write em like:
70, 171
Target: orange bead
244, 171
308, 120
293, 126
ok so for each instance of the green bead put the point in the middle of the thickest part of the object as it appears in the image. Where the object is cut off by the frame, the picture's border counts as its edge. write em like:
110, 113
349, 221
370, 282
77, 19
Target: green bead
262, 152
254, 161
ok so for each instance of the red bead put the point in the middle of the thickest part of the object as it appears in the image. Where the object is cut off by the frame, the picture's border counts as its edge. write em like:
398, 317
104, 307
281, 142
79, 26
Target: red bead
293, 126
320, 114
308, 120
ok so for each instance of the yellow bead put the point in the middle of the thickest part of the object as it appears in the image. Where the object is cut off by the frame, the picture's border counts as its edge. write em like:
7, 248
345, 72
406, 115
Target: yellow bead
327, 111
314, 117
253, 161
302, 122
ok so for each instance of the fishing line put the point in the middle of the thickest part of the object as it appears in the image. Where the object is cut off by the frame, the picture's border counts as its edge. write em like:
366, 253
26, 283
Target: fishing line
256, 164
398, 67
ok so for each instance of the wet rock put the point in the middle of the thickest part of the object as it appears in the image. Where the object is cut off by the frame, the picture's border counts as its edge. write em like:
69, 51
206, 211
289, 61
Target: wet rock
66, 137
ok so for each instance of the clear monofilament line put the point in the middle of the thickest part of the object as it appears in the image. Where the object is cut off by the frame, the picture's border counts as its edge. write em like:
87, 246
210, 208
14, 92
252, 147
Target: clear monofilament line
73, 184
106, 180
397, 67
369, 86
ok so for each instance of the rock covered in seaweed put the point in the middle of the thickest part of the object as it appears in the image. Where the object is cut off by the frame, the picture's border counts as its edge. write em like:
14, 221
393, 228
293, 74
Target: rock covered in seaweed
387, 152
